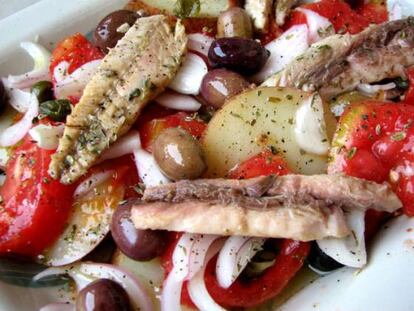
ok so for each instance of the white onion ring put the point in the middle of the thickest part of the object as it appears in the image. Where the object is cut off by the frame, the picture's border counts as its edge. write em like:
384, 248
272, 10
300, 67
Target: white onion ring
188, 258
189, 77
17, 98
13, 134
58, 306
127, 144
47, 136
197, 287
73, 84
176, 101
319, 26
148, 170
86, 272
284, 50
234, 257
40, 71
200, 43
369, 89
92, 182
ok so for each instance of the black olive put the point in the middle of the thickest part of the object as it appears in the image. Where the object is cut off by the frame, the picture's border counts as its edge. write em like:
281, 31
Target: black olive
108, 31
3, 97
318, 260
355, 3
103, 295
56, 110
43, 91
245, 56
137, 244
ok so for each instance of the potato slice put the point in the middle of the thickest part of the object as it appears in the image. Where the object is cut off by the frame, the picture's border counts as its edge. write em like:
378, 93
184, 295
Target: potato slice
264, 118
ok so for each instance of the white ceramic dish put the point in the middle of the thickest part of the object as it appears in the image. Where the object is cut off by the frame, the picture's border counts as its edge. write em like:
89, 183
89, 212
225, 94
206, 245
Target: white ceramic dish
384, 285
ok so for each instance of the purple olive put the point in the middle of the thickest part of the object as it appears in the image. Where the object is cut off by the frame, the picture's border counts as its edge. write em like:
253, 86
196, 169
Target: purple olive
245, 56
221, 84
103, 295
137, 244
110, 28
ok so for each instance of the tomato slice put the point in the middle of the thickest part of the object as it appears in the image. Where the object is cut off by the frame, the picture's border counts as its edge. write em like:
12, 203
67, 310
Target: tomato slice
244, 294
76, 50
375, 141
151, 129
34, 207
342, 16
265, 163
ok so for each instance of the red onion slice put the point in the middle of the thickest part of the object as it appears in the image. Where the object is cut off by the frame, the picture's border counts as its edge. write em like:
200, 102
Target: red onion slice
13, 134
200, 43
127, 144
58, 306
18, 99
148, 170
86, 272
176, 101
60, 72
41, 59
73, 84
319, 26
189, 77
284, 50
197, 286
234, 257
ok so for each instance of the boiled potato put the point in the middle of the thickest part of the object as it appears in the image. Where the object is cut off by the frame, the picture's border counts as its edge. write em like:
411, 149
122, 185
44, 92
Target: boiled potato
265, 118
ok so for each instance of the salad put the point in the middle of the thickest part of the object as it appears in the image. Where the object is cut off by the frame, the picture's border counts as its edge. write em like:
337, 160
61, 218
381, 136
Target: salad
191, 155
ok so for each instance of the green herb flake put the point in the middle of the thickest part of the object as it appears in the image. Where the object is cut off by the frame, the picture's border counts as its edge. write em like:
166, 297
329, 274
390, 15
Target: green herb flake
352, 152
274, 99
398, 136
135, 93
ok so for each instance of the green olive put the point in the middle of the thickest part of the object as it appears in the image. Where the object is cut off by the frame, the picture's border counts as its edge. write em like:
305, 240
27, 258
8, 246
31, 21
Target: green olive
43, 91
178, 154
56, 110
234, 22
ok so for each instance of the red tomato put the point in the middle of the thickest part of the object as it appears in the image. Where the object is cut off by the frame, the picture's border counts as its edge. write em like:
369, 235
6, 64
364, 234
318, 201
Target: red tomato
272, 32
34, 207
76, 50
375, 141
150, 130
265, 163
342, 16
244, 294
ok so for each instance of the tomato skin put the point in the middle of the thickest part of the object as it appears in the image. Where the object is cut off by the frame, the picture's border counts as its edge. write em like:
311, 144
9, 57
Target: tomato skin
342, 16
76, 50
245, 294
265, 163
35, 207
375, 141
151, 129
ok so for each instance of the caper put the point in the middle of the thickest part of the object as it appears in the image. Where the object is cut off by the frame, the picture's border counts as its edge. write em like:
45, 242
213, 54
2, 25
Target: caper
178, 154
56, 110
234, 22
43, 91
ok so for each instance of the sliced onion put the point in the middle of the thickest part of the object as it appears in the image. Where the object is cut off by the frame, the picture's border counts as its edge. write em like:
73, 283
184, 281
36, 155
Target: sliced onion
369, 89
13, 134
176, 101
188, 259
127, 144
319, 26
92, 182
41, 59
60, 72
148, 170
349, 251
17, 98
284, 50
200, 43
395, 13
47, 136
58, 306
234, 257
197, 286
85, 273
73, 84
189, 76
